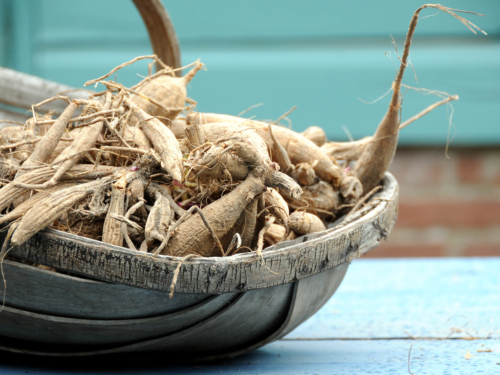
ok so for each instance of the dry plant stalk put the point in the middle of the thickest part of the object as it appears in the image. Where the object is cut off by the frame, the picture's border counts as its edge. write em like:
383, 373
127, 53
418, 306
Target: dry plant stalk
378, 155
44, 149
192, 237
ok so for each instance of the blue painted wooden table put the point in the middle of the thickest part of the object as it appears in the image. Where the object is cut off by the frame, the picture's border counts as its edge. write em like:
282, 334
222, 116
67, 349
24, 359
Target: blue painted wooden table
447, 310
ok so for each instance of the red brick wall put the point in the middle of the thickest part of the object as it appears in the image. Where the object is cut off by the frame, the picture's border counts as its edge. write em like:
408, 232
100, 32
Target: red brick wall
448, 207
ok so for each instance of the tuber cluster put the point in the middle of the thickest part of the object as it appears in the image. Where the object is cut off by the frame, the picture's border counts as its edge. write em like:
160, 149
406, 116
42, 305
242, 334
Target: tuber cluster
139, 168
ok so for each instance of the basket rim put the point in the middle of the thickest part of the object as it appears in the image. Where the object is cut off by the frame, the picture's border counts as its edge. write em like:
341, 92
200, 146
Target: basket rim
280, 264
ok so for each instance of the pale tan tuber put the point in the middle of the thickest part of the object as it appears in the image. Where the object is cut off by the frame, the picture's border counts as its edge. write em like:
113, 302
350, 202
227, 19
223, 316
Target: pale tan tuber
305, 223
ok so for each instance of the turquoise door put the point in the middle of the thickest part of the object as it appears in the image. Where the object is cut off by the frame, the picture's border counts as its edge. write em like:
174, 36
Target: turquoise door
326, 57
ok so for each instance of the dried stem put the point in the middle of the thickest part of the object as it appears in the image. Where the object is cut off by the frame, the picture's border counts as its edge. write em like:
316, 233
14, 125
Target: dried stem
260, 242
57, 97
127, 149
155, 102
82, 118
11, 122
14, 145
427, 110
363, 200
284, 115
131, 210
112, 128
127, 221
176, 273
153, 57
162, 72
173, 205
376, 159
235, 244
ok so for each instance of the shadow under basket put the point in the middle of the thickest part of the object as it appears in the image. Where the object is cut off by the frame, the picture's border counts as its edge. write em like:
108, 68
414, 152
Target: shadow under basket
108, 300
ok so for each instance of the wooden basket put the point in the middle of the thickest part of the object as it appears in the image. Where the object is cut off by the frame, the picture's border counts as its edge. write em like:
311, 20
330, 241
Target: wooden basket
221, 306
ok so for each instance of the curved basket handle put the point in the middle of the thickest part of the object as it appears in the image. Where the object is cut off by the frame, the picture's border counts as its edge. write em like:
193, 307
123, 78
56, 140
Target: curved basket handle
161, 32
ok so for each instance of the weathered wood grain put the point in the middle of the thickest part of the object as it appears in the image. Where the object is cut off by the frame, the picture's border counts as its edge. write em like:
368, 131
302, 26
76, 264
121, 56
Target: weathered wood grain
23, 90
434, 298
42, 328
300, 258
388, 291
248, 321
45, 292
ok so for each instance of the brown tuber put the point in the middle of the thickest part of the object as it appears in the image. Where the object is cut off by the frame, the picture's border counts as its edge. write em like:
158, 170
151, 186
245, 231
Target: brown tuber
168, 90
134, 171
299, 148
316, 135
305, 223
192, 237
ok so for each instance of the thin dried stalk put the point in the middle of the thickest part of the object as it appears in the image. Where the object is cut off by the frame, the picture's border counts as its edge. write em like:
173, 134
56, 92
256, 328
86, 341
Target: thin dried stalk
131, 210
427, 110
176, 273
154, 57
260, 242
377, 157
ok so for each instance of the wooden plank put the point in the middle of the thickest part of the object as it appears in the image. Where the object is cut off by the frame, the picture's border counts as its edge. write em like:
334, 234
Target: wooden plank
398, 298
22, 25
306, 256
41, 328
338, 357
50, 293
5, 33
358, 357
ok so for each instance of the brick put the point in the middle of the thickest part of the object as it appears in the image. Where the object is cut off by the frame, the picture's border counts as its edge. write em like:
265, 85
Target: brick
482, 250
455, 213
469, 169
417, 167
391, 250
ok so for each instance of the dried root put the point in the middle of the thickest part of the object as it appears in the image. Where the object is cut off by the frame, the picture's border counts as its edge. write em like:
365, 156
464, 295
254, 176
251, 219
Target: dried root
164, 96
45, 212
277, 233
316, 135
133, 170
304, 223
112, 229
